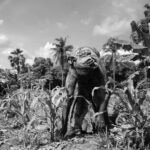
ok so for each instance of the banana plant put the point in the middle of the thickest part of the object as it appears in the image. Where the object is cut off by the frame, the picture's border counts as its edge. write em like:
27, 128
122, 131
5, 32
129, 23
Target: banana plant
112, 45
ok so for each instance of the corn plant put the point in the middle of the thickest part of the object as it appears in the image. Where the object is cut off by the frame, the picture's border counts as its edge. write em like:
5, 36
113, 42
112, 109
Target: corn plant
36, 114
132, 122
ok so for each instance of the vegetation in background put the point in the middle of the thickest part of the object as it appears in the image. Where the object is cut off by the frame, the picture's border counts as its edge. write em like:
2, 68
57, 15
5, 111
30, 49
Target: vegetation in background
17, 60
60, 56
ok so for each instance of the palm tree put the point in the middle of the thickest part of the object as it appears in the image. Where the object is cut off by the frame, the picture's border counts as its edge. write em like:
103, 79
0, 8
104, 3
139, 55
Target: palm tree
60, 56
17, 60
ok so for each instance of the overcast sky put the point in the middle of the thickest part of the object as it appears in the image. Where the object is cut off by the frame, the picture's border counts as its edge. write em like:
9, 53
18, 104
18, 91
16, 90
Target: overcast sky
32, 24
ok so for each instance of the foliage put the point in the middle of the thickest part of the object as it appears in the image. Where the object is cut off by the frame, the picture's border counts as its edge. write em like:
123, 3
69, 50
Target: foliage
60, 55
124, 66
132, 122
17, 60
8, 82
41, 66
35, 114
114, 43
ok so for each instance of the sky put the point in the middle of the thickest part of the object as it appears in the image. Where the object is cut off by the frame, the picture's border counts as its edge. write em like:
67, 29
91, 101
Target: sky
33, 25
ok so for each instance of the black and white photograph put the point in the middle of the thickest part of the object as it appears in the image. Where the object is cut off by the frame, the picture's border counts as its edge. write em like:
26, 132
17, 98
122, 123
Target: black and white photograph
74, 75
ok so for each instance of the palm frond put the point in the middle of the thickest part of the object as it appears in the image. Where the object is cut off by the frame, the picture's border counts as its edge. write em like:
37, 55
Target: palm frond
68, 48
10, 57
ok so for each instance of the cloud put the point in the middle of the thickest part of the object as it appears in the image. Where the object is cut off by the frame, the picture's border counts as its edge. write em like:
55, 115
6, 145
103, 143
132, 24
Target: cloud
4, 3
3, 38
4, 41
1, 21
45, 50
123, 3
126, 6
6, 45
118, 3
86, 21
30, 61
2, 67
29, 57
74, 13
7, 51
61, 25
112, 26
131, 8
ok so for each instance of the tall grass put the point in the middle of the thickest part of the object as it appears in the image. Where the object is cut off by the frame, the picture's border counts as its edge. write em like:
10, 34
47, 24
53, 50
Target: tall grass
35, 115
132, 128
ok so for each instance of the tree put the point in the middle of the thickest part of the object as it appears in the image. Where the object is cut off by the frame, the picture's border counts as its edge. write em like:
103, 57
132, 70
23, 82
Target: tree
49, 65
113, 45
39, 67
61, 50
17, 60
42, 69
